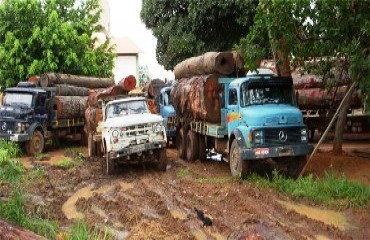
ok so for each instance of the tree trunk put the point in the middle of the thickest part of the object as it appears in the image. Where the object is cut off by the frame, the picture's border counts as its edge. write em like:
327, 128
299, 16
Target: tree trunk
51, 79
69, 106
12, 231
68, 90
128, 83
340, 125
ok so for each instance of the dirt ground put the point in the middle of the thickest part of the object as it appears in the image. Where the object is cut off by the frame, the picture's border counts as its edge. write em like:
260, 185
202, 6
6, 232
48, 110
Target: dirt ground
140, 202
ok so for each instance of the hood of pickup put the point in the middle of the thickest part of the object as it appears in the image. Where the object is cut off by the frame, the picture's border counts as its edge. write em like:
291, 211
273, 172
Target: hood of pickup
271, 115
132, 120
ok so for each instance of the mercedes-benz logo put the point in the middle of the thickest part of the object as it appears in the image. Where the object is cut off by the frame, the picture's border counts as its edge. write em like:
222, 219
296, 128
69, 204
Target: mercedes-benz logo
283, 136
3, 126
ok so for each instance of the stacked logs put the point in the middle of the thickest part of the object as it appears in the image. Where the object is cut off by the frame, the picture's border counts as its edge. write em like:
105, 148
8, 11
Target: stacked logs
198, 98
52, 79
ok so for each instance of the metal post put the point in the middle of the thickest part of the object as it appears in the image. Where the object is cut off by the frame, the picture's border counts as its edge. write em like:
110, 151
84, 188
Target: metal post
328, 128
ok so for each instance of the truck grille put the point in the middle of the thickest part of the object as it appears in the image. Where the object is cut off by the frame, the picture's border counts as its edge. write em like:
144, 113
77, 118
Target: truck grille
5, 126
277, 136
143, 129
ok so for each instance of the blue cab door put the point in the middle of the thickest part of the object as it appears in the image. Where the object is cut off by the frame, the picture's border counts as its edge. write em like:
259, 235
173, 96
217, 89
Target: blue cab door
233, 116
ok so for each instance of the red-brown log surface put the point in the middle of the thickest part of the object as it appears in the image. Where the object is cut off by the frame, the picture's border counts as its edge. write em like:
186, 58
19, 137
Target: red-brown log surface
51, 79
198, 98
208, 63
95, 94
317, 98
128, 83
12, 231
69, 106
34, 80
315, 81
93, 115
155, 87
68, 90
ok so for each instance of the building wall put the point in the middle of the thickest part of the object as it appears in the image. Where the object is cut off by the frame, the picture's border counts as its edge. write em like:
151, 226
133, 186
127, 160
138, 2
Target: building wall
124, 66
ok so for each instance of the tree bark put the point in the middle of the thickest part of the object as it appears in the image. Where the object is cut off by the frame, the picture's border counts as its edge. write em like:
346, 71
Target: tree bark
68, 90
69, 106
341, 124
128, 83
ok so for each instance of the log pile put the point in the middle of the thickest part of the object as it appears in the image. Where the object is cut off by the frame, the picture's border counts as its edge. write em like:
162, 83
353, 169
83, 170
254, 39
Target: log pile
210, 63
12, 231
52, 79
69, 106
198, 98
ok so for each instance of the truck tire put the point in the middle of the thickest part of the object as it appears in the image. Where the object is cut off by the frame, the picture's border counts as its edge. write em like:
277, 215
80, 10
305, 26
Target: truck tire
110, 166
36, 144
202, 147
295, 166
181, 143
192, 150
238, 166
162, 160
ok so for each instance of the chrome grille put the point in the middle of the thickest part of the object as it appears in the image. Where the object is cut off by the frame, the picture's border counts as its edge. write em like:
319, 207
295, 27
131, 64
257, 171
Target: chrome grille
273, 136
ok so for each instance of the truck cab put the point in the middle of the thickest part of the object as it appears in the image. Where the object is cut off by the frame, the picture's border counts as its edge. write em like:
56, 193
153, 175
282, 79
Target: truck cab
130, 133
263, 121
24, 117
166, 110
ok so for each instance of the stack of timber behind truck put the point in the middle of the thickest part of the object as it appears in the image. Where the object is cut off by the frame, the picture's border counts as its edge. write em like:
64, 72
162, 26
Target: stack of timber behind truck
246, 119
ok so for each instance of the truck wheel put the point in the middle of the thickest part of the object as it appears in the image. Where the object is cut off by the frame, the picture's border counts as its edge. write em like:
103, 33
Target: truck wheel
238, 166
36, 144
295, 166
162, 160
109, 164
202, 147
192, 150
181, 144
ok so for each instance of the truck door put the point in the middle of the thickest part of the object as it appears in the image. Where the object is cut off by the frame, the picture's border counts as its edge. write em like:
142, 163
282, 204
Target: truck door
232, 118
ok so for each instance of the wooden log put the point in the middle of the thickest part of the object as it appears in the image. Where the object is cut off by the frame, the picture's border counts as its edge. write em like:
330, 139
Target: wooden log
68, 90
198, 98
128, 83
12, 231
155, 87
69, 106
317, 98
34, 79
209, 63
93, 115
95, 94
51, 79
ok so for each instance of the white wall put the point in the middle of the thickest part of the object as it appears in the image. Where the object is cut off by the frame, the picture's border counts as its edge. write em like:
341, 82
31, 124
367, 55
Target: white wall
124, 66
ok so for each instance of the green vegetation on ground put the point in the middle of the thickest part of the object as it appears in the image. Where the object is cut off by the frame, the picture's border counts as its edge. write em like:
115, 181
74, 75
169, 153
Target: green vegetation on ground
331, 190
81, 231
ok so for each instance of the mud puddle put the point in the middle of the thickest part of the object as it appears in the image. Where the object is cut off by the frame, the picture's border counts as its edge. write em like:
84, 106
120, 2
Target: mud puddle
69, 207
328, 217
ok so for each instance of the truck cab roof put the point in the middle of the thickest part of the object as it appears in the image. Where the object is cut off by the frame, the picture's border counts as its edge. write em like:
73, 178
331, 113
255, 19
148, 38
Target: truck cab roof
25, 90
127, 100
262, 80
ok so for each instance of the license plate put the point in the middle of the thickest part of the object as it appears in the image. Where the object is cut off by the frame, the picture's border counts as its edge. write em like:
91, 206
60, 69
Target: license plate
261, 151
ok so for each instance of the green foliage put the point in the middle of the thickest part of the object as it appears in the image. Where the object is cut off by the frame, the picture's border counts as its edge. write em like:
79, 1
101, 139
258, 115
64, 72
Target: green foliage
188, 28
331, 190
38, 36
183, 172
42, 156
65, 163
81, 231
144, 76
10, 168
214, 180
333, 36
14, 211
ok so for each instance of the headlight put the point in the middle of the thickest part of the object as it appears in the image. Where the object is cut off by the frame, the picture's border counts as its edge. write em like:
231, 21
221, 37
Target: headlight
304, 131
303, 138
115, 133
258, 137
157, 127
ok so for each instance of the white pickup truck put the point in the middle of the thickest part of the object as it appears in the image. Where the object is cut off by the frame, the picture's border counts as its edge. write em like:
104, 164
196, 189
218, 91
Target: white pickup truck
130, 133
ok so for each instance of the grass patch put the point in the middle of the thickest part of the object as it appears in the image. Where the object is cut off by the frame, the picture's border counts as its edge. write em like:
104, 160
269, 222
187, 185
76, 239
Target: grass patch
332, 190
214, 180
183, 172
14, 211
65, 163
10, 168
41, 157
81, 231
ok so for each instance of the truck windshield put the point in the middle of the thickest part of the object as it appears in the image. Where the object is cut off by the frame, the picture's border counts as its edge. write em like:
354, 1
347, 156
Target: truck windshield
167, 98
24, 99
264, 95
126, 108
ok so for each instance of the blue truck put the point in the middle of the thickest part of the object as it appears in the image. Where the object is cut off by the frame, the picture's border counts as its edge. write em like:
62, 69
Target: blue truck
166, 110
259, 122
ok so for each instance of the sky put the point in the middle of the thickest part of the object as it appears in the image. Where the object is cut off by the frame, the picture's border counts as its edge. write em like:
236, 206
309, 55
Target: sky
125, 21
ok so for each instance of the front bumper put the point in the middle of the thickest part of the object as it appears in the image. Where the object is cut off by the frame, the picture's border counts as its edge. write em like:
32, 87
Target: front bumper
276, 152
137, 149
17, 137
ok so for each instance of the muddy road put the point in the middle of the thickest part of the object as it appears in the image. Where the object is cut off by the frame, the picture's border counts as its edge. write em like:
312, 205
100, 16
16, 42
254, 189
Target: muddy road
140, 202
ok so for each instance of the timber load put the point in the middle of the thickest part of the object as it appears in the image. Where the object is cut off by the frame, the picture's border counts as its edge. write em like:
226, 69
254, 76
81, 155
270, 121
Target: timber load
52, 79
69, 106
155, 87
128, 83
68, 90
317, 98
197, 98
210, 63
